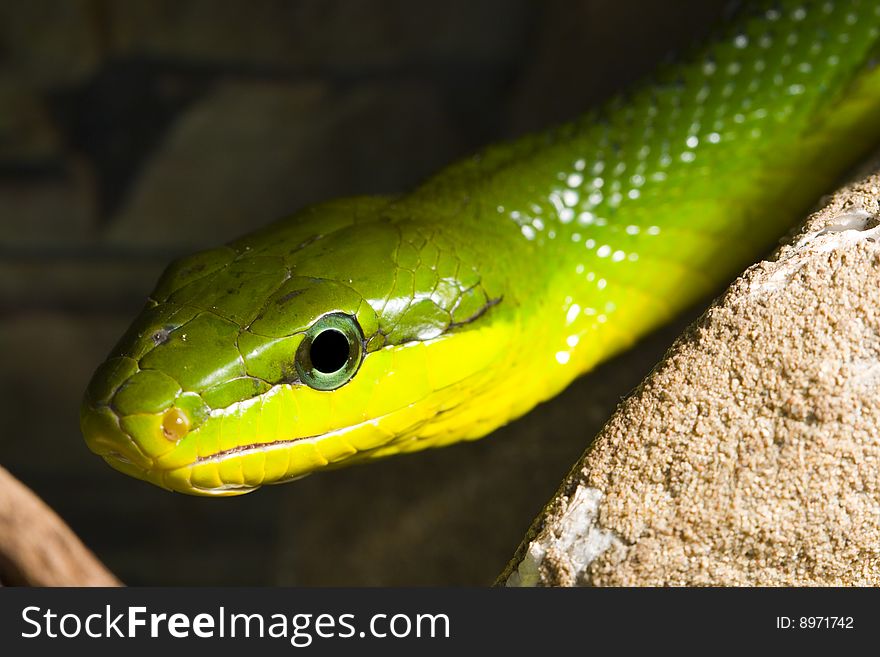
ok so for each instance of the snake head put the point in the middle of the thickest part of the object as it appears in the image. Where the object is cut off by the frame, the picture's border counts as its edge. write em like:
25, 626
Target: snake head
342, 334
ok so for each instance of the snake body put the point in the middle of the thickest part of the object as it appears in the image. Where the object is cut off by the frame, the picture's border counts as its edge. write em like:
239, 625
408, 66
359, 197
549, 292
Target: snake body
372, 326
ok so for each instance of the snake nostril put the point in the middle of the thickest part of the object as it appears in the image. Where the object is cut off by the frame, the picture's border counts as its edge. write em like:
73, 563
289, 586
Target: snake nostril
175, 424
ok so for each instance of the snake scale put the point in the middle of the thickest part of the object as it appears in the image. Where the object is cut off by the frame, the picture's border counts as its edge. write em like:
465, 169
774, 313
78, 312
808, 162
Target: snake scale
371, 326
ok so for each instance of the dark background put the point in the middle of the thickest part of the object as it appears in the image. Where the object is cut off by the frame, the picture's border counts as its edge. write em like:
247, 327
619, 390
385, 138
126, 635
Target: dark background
135, 131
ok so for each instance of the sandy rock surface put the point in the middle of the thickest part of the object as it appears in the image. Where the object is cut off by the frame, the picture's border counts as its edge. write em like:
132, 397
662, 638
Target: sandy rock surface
751, 454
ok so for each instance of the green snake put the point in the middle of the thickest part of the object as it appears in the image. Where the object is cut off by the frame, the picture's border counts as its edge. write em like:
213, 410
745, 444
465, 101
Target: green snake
372, 326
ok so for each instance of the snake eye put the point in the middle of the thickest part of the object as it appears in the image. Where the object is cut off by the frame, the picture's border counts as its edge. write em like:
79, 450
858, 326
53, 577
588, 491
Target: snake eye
330, 352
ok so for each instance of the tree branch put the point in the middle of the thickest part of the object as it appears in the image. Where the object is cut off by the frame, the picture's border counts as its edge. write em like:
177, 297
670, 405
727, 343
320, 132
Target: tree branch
37, 548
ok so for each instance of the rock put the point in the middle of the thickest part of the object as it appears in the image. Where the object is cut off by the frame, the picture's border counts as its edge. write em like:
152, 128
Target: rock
750, 455
253, 152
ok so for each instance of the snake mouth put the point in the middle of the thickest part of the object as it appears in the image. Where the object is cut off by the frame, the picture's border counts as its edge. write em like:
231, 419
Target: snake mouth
188, 465
204, 476
244, 468
178, 480
254, 448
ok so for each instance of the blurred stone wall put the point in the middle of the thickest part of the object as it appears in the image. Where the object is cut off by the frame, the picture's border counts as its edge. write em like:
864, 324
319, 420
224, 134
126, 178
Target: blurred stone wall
135, 131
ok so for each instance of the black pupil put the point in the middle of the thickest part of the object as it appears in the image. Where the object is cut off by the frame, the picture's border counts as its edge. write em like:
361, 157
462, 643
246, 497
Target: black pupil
329, 351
